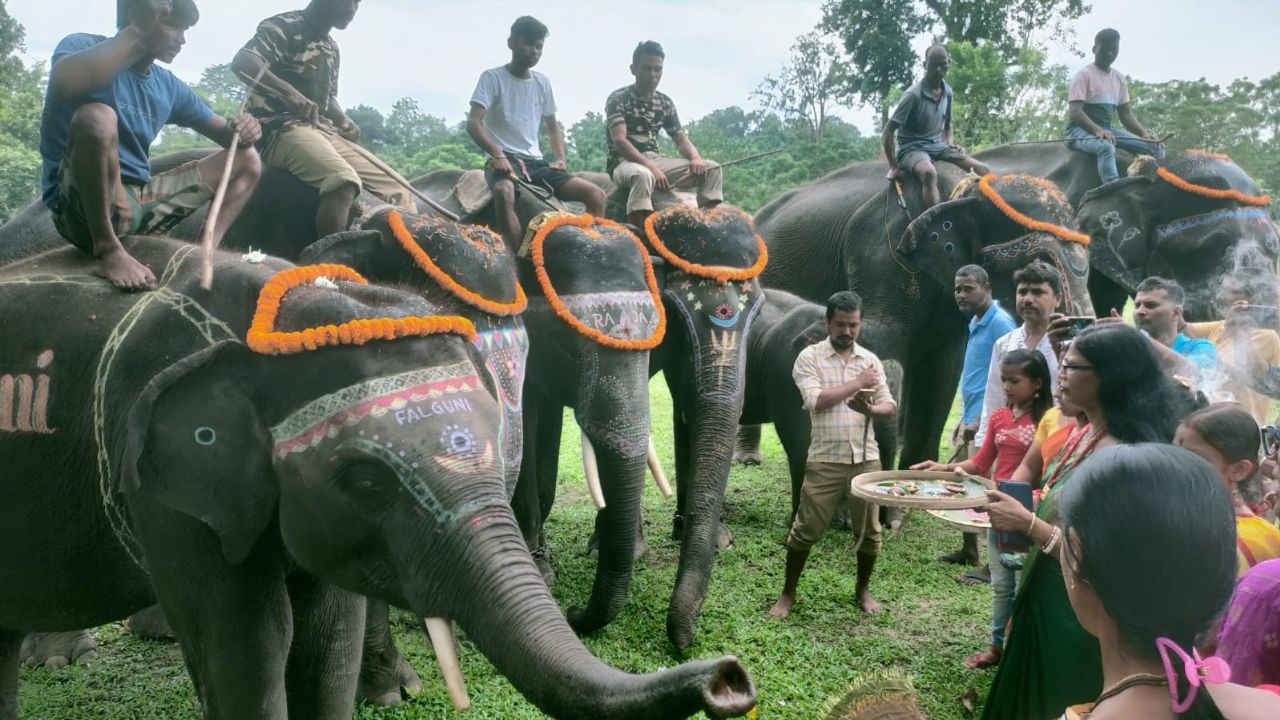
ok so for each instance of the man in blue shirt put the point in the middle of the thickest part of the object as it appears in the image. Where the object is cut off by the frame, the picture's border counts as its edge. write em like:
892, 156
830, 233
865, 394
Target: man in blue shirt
106, 103
1157, 311
987, 323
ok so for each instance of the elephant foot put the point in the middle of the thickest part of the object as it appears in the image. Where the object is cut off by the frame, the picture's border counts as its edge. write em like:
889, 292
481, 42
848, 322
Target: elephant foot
58, 649
387, 681
150, 623
724, 537
542, 558
748, 458
747, 450
891, 517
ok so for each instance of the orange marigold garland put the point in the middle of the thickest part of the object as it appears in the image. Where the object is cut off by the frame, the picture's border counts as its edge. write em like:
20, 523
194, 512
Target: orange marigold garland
453, 287
721, 274
1030, 223
587, 223
1214, 193
264, 339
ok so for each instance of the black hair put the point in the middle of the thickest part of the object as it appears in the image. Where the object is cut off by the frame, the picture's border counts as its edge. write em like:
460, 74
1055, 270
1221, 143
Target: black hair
648, 48
528, 28
1153, 521
1033, 365
1134, 392
1177, 296
1039, 273
1106, 35
936, 46
843, 301
977, 272
183, 14
1229, 429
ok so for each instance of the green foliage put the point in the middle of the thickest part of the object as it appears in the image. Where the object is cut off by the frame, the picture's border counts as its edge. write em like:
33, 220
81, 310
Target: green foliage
877, 35
21, 99
997, 102
809, 86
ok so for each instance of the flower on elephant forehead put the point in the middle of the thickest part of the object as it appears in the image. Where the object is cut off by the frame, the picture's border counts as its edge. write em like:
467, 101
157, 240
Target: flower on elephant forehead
725, 311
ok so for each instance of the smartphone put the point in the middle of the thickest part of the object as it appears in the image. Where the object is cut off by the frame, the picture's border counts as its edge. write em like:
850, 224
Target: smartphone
1015, 542
1264, 316
1077, 325
1270, 440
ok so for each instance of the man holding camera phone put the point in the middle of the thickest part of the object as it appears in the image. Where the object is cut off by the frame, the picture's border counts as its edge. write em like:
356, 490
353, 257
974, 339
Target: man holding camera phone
1246, 340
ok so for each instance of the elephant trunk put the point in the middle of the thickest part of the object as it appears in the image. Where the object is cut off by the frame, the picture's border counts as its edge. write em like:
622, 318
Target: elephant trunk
712, 426
511, 616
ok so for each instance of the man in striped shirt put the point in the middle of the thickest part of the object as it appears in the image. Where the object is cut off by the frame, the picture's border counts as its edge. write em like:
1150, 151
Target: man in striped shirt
843, 386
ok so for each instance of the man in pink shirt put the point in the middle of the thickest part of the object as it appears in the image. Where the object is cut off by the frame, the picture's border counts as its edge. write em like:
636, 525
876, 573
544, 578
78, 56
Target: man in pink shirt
1099, 93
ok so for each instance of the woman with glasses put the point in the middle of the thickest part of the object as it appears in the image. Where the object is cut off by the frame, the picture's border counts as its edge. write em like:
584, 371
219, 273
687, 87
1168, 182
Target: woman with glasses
1113, 376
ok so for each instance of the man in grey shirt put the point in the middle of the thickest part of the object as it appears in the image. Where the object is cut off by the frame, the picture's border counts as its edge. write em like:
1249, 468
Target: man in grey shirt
508, 105
919, 131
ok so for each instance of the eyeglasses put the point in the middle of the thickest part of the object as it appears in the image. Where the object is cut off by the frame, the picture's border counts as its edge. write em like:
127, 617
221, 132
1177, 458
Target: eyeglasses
1074, 368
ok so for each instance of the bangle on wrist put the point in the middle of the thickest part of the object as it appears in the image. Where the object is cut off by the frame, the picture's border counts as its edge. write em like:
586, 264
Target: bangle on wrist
1032, 527
1054, 539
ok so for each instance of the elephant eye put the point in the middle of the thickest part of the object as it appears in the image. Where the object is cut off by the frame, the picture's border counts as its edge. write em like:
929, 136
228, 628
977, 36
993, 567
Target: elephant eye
946, 224
367, 483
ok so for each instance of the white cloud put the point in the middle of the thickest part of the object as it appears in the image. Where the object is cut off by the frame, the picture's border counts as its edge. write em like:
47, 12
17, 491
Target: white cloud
717, 50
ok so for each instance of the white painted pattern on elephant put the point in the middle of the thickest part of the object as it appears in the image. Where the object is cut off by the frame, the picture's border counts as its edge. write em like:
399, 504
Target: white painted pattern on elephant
402, 395
24, 400
1233, 220
506, 354
622, 315
461, 454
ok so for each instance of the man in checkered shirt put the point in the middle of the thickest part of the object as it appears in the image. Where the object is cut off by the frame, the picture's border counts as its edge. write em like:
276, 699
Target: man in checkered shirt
843, 386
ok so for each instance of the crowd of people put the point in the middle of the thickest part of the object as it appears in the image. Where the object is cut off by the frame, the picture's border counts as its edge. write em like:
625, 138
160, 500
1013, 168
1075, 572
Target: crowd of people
1126, 503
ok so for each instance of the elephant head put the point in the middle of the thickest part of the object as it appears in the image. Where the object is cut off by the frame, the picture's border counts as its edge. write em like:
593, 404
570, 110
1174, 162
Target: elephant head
377, 467
1194, 220
713, 259
594, 315
1003, 223
463, 269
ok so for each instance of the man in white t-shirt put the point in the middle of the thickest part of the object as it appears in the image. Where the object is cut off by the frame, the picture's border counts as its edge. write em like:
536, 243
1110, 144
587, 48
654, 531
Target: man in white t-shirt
1098, 93
509, 104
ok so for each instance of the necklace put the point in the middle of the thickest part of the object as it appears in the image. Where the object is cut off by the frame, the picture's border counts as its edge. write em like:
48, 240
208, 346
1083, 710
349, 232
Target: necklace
1129, 681
1072, 454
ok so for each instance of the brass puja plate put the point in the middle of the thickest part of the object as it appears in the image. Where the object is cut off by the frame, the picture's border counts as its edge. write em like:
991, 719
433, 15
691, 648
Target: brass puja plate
922, 489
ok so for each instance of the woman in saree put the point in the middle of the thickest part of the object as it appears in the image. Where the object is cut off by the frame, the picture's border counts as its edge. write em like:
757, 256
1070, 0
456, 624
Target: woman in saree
1113, 376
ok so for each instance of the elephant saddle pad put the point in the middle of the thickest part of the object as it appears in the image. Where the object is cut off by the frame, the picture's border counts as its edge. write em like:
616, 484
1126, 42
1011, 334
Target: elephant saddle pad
472, 192
467, 261
719, 244
596, 276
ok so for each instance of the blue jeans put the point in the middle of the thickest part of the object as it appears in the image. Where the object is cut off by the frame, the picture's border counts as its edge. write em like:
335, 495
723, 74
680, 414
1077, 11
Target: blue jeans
1004, 582
1084, 141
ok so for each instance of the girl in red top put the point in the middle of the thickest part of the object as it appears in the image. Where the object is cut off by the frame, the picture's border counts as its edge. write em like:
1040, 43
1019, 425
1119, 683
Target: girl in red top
1024, 375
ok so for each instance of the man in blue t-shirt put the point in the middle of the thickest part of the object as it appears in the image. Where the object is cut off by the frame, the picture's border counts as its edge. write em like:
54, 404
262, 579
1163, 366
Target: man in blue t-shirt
106, 103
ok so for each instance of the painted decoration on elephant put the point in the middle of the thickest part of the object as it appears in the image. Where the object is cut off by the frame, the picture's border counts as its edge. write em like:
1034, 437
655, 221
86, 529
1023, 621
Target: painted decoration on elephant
24, 399
620, 315
717, 317
409, 397
1253, 223
460, 452
505, 349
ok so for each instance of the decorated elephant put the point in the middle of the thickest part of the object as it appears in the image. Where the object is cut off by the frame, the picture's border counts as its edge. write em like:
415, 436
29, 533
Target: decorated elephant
1195, 219
272, 461
848, 231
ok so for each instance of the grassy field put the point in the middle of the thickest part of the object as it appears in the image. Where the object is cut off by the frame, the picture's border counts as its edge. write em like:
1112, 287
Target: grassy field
798, 665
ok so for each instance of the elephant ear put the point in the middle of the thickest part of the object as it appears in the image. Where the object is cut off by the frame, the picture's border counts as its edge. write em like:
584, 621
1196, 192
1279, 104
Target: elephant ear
357, 249
1117, 219
944, 238
195, 443
815, 333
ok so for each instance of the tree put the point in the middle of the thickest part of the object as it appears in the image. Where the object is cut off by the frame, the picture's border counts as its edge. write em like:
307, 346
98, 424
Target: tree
587, 144
21, 98
877, 35
809, 86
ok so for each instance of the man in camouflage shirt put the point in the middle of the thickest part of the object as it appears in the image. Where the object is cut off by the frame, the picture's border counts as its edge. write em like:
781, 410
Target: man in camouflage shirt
305, 130
633, 116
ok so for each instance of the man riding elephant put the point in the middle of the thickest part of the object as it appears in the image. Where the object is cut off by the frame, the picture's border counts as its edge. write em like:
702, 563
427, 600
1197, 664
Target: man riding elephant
107, 101
508, 105
305, 130
919, 131
633, 115
1098, 93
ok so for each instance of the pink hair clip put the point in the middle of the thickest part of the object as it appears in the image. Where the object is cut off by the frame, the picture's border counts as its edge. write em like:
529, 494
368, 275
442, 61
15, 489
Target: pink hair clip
1212, 669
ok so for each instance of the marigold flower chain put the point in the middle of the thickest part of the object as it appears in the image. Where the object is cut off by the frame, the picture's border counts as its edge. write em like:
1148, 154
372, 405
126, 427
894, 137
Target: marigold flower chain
985, 186
263, 338
1214, 193
447, 283
587, 223
721, 274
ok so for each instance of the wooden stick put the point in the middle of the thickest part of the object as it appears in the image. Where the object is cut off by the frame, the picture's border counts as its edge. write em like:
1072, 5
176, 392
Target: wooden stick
206, 237
749, 158
442, 642
377, 161
550, 201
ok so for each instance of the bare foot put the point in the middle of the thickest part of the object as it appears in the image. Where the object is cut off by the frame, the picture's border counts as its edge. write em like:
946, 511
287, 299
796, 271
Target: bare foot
959, 557
869, 604
782, 608
121, 270
983, 658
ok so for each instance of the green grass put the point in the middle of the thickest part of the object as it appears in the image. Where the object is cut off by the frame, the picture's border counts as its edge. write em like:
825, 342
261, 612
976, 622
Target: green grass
798, 665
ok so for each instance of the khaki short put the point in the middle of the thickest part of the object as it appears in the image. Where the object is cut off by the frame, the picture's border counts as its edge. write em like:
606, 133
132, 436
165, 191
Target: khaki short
824, 486
327, 161
137, 209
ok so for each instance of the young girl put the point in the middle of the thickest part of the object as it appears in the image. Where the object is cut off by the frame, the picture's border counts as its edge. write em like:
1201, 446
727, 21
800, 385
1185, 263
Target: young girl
1228, 437
1024, 375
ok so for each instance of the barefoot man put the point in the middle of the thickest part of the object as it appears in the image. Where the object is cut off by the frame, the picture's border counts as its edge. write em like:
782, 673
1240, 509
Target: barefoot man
107, 101
843, 386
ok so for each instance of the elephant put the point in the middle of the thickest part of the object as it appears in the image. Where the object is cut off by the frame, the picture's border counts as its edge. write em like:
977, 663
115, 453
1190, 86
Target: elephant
1149, 223
848, 231
277, 457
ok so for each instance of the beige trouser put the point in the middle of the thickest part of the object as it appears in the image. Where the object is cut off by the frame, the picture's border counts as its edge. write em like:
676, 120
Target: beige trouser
710, 187
327, 161
824, 485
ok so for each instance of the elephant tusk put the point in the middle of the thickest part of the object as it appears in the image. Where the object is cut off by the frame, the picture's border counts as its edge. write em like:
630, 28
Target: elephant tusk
659, 477
441, 634
592, 471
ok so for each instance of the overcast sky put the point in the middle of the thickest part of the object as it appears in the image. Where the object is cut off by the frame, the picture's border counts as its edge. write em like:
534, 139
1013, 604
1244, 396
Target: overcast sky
717, 50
